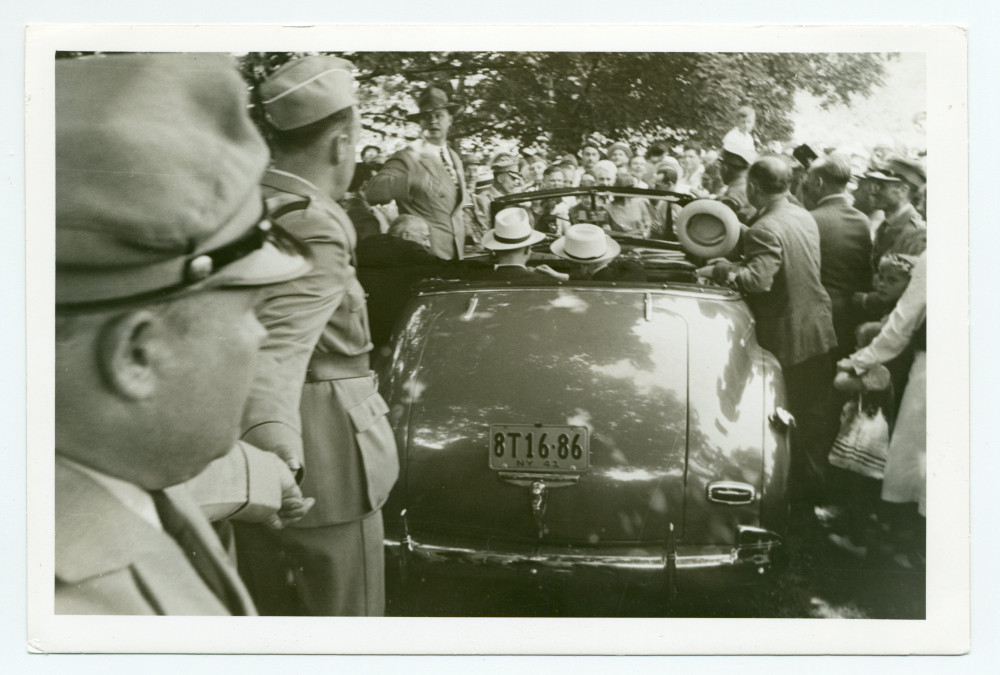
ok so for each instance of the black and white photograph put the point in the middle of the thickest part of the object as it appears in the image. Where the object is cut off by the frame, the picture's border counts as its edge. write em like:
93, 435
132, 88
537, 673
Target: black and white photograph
412, 339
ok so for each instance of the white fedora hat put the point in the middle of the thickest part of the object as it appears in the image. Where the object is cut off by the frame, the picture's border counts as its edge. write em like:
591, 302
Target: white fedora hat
585, 243
511, 229
707, 228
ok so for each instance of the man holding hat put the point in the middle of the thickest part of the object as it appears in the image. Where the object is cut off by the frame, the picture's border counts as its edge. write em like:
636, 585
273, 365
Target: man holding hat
426, 177
314, 401
161, 251
903, 230
780, 278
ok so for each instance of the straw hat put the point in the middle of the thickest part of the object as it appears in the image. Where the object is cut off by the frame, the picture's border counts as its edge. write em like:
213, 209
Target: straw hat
707, 228
511, 229
586, 243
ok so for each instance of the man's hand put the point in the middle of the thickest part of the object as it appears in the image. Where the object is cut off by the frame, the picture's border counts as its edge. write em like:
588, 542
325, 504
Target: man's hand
717, 271
293, 505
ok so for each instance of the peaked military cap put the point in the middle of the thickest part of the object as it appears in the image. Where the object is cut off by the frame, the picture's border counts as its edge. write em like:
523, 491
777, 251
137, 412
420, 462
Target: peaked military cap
157, 170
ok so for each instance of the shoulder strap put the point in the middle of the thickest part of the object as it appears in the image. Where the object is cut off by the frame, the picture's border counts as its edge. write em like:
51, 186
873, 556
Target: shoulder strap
290, 207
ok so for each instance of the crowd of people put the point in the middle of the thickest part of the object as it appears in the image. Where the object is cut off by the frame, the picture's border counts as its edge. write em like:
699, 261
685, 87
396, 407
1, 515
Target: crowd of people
213, 339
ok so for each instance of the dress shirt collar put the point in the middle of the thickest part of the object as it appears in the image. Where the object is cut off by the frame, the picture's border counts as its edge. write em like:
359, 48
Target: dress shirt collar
131, 495
836, 197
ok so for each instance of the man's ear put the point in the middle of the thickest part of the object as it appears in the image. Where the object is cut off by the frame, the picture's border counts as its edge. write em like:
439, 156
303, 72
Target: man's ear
341, 149
128, 352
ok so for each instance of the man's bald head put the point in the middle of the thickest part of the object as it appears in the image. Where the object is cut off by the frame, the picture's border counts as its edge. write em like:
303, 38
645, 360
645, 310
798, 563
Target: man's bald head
771, 175
411, 228
835, 170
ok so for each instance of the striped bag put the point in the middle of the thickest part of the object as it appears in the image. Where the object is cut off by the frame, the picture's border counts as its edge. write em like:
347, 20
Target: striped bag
863, 442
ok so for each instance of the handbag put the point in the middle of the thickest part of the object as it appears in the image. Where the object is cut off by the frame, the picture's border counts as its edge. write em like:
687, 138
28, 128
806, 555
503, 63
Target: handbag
862, 445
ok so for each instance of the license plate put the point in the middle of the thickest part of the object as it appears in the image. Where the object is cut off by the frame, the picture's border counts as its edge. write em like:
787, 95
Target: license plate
541, 447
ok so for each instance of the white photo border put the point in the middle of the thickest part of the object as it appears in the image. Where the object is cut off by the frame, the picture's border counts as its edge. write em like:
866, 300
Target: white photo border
946, 628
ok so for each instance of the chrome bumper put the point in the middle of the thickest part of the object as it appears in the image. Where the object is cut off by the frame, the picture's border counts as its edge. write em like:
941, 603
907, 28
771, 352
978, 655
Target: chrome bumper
756, 552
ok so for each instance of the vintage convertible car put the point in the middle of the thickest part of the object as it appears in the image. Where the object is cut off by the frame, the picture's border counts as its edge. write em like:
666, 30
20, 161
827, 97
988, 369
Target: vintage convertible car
586, 432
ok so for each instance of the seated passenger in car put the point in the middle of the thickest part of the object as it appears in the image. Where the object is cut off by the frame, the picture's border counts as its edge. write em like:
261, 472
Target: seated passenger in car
593, 254
510, 241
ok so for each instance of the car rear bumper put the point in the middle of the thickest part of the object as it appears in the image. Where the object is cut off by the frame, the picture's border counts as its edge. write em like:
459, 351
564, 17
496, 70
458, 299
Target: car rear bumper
757, 553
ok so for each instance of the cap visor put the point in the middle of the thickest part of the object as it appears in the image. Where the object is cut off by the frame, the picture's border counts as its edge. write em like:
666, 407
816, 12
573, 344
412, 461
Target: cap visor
267, 265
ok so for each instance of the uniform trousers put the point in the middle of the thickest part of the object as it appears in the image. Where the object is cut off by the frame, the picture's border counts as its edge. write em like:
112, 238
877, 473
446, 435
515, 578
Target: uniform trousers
332, 570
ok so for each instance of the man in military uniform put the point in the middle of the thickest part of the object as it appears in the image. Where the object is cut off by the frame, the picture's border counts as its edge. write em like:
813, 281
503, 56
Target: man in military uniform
734, 165
903, 230
161, 249
426, 178
334, 426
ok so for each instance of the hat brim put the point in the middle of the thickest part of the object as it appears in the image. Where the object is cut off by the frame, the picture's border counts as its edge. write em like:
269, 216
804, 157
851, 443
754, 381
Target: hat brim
453, 108
489, 241
879, 176
558, 247
267, 265
707, 243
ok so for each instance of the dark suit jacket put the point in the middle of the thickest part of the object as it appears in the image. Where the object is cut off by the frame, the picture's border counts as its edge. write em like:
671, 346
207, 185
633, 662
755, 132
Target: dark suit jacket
421, 186
387, 269
845, 253
780, 276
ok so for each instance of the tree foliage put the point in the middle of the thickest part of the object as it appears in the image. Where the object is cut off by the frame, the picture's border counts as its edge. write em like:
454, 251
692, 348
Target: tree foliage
556, 99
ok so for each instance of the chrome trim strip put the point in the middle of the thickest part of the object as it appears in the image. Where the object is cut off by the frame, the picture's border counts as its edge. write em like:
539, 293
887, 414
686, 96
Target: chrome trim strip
757, 555
682, 290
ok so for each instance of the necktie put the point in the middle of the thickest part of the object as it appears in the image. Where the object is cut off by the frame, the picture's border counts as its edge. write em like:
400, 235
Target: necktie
176, 524
448, 167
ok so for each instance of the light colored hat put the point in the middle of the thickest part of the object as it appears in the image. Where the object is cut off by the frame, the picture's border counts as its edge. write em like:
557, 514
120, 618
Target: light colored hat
307, 90
668, 162
585, 243
157, 171
511, 229
707, 228
620, 145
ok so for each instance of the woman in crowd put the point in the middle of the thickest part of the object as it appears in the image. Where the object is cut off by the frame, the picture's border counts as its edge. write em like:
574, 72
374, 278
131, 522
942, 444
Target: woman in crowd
905, 481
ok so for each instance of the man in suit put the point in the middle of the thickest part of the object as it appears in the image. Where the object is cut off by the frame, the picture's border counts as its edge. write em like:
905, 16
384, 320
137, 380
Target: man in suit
314, 401
844, 240
780, 278
157, 276
426, 178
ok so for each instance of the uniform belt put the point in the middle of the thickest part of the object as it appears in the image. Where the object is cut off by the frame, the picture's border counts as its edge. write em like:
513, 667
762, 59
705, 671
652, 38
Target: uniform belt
324, 367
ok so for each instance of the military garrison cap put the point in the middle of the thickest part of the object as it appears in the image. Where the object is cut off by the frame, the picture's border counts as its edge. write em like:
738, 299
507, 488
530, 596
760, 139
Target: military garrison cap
157, 170
307, 90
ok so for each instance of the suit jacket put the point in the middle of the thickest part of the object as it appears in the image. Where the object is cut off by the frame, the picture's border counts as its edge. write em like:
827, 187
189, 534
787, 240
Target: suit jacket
780, 276
845, 254
421, 186
318, 333
109, 560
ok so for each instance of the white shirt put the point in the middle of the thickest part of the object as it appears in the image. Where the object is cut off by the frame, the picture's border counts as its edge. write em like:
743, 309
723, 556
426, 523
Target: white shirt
131, 495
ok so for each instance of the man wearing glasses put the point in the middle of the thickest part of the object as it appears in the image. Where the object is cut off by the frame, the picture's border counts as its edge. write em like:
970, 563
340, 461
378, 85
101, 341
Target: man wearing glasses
426, 178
